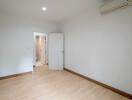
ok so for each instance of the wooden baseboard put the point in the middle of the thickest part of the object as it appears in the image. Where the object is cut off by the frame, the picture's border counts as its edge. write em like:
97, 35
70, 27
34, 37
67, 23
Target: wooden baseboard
102, 84
15, 75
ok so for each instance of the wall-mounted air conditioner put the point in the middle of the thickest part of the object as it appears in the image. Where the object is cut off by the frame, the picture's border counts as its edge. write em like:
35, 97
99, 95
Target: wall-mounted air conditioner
114, 4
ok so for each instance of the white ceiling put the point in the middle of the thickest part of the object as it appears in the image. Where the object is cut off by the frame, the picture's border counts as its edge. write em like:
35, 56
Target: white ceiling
57, 10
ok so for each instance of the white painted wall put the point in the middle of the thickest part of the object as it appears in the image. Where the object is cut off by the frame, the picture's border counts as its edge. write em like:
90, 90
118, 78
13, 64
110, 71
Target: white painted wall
100, 46
16, 42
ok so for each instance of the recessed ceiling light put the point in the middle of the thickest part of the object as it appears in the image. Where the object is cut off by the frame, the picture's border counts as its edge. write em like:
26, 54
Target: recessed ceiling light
44, 8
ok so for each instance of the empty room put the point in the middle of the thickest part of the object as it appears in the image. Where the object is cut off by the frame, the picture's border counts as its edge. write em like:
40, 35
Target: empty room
65, 49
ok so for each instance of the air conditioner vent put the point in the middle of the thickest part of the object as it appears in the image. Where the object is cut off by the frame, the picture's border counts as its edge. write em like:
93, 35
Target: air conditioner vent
114, 4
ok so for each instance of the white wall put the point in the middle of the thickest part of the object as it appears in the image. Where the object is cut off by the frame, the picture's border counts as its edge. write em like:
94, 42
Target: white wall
16, 43
100, 47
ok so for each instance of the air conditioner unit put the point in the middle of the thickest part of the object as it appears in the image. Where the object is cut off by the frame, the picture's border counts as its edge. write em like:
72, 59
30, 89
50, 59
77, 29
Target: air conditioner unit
114, 4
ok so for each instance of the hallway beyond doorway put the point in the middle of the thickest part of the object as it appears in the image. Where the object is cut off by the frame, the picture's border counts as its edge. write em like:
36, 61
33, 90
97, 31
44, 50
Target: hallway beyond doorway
40, 50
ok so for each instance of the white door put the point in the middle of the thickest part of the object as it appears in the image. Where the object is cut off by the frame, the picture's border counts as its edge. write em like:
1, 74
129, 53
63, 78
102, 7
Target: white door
55, 59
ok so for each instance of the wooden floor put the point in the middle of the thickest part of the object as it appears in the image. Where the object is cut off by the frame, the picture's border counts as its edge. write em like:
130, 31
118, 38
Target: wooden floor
53, 85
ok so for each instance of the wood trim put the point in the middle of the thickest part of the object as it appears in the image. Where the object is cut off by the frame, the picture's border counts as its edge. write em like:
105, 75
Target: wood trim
102, 84
14, 75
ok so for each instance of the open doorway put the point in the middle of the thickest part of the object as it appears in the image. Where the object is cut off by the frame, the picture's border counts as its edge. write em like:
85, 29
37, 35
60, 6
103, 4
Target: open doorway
40, 50
48, 50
